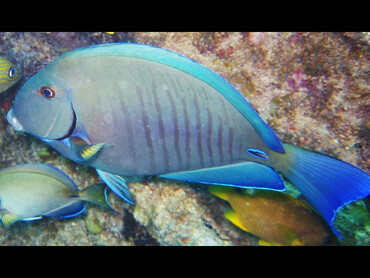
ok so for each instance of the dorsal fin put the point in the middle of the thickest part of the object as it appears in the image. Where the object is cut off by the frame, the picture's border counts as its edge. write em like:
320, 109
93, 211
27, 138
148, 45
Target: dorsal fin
175, 60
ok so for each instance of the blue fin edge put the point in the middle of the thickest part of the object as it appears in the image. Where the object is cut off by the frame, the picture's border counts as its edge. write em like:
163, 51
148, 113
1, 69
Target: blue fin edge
249, 175
117, 184
329, 184
71, 210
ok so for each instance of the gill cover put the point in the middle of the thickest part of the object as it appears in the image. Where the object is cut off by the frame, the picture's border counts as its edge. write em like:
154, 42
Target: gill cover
43, 109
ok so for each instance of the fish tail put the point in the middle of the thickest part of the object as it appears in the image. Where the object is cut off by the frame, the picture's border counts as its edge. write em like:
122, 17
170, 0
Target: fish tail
326, 182
97, 195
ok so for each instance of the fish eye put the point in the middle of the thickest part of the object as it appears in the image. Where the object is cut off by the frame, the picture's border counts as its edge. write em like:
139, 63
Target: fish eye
47, 92
11, 72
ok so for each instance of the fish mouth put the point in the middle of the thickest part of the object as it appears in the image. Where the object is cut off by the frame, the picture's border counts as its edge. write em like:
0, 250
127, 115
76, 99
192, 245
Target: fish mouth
71, 129
13, 121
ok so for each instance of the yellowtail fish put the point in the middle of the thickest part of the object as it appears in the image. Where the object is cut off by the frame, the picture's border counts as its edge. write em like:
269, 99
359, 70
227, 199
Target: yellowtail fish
30, 191
9, 74
276, 218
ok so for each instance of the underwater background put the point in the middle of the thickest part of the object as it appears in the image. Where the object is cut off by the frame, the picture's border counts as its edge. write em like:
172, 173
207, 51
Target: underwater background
311, 88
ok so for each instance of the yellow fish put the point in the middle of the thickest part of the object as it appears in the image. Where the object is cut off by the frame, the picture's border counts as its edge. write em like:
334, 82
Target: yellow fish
275, 217
9, 74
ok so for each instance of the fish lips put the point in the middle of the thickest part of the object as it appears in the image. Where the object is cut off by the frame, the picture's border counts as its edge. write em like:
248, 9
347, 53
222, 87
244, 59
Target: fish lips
13, 121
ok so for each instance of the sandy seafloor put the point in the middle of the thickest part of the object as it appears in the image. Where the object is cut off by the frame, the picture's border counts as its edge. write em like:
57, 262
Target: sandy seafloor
311, 88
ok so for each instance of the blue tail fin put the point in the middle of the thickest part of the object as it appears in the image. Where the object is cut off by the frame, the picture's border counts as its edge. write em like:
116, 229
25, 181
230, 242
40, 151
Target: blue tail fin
327, 183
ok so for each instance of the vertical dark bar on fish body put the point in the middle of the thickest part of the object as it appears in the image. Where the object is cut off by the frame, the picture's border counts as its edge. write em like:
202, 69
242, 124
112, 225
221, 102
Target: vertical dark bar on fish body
161, 127
187, 133
176, 138
146, 127
199, 131
173, 92
220, 141
207, 124
130, 134
231, 143
225, 146
209, 137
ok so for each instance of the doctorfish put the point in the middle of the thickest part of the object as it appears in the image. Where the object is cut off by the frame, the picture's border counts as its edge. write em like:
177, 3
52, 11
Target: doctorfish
9, 74
275, 217
31, 191
138, 110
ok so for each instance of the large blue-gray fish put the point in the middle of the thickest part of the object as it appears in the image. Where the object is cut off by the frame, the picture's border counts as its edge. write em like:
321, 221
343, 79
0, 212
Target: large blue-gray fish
30, 191
136, 110
9, 74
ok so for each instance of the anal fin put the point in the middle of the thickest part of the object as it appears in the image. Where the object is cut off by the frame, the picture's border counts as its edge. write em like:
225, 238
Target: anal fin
244, 175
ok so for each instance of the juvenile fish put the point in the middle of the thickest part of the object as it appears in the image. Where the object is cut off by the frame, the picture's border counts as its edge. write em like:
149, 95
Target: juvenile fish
9, 74
30, 191
136, 110
275, 217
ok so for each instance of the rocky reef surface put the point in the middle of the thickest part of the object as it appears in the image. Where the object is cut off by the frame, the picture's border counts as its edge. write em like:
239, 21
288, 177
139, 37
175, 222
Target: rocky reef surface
311, 88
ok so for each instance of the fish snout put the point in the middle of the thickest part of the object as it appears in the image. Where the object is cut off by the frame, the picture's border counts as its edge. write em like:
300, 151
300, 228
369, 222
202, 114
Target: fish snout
13, 121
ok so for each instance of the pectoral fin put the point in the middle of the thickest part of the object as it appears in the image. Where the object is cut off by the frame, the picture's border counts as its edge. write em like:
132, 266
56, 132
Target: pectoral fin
82, 151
